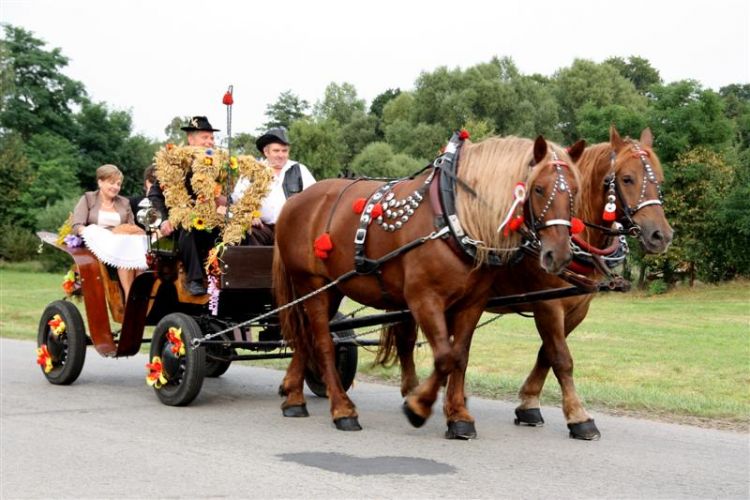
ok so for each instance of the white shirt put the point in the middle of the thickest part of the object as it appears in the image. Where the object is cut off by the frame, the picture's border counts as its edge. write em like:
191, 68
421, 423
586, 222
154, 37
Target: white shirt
275, 199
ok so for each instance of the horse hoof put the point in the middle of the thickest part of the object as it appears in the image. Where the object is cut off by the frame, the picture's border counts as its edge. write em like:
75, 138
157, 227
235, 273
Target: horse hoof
585, 430
295, 411
414, 419
347, 424
461, 430
530, 416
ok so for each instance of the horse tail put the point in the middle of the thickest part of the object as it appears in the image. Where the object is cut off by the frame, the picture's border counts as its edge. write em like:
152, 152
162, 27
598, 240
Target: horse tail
291, 319
393, 339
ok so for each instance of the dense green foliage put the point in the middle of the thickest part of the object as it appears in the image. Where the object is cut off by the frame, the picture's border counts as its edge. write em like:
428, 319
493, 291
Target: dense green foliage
52, 137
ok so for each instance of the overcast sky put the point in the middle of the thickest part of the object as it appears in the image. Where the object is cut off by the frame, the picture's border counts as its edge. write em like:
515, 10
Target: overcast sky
166, 58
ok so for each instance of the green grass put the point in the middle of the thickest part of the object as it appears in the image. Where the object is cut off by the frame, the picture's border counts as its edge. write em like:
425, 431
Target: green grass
684, 355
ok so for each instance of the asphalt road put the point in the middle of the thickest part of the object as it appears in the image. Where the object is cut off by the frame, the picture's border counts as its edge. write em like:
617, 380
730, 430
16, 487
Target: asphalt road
107, 436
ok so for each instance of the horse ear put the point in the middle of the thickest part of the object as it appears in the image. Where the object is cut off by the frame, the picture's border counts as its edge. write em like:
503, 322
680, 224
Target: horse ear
540, 149
614, 138
576, 150
647, 138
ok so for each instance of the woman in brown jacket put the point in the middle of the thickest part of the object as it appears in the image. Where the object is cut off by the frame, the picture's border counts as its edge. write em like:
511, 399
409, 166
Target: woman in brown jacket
105, 221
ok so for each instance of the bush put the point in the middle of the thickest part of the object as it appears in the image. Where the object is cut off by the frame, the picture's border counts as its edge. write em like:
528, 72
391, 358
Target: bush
51, 217
658, 287
17, 244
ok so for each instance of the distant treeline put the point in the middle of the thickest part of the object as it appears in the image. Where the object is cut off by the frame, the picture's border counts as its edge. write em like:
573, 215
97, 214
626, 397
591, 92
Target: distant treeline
52, 138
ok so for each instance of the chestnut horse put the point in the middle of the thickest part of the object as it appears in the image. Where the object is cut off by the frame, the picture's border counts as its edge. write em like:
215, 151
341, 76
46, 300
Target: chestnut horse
626, 174
445, 291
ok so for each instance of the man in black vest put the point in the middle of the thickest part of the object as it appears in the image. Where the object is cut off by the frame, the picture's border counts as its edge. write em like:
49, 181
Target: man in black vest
290, 178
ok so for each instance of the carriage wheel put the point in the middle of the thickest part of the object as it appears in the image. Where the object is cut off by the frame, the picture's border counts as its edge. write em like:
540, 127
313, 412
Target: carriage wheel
183, 371
217, 367
346, 364
66, 350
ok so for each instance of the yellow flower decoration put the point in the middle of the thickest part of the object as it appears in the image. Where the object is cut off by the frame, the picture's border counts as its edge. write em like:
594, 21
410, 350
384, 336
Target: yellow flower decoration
56, 325
256, 214
233, 163
199, 223
174, 336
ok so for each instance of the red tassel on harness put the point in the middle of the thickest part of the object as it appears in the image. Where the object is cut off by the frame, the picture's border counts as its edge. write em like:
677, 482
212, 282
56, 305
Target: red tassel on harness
609, 216
464, 134
377, 211
322, 246
513, 225
359, 205
576, 225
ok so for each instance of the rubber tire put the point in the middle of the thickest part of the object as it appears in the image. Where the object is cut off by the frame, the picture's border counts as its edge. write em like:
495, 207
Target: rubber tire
346, 364
67, 369
192, 364
216, 368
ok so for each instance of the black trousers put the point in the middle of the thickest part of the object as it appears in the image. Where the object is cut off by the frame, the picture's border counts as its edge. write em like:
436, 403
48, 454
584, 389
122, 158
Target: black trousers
260, 236
194, 247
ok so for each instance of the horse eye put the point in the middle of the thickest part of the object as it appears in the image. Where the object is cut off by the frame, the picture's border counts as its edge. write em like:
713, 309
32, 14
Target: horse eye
628, 180
539, 190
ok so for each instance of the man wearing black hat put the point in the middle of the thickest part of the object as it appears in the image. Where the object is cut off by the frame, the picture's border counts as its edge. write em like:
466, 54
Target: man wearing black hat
290, 178
194, 245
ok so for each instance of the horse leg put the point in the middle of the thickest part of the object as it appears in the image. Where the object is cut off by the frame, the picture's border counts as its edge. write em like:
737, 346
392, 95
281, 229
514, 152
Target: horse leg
431, 317
550, 321
293, 384
342, 409
406, 341
460, 421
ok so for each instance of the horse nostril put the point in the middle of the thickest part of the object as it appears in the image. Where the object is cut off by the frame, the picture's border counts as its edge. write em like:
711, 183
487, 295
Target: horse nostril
657, 236
548, 259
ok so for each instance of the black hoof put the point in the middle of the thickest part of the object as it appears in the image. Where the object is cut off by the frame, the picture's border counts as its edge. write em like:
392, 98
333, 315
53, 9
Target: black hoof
282, 391
295, 411
414, 419
530, 416
585, 430
461, 430
347, 424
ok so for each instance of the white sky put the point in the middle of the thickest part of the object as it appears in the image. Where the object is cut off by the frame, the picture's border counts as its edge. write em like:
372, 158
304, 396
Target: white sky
166, 58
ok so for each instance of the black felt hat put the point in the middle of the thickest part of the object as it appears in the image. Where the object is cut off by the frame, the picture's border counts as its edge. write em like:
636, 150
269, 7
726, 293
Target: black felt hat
197, 123
274, 135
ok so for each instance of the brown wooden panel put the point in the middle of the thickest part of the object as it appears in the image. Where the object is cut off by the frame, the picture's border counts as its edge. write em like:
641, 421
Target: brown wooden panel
93, 294
136, 310
247, 268
113, 292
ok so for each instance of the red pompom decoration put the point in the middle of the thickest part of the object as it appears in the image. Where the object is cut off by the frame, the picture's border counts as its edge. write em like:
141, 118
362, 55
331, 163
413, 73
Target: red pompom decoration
377, 211
359, 205
228, 99
609, 216
577, 226
513, 225
322, 246
464, 134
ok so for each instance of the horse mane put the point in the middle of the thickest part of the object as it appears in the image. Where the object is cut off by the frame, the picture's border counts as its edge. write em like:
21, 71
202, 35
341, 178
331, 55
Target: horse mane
492, 168
594, 165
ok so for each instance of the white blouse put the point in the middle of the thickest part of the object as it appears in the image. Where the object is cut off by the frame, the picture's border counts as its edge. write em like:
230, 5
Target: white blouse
108, 219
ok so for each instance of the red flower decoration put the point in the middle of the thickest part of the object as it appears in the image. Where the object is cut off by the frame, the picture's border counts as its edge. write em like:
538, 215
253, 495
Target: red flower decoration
228, 100
377, 211
323, 246
513, 225
464, 134
44, 358
359, 205
577, 225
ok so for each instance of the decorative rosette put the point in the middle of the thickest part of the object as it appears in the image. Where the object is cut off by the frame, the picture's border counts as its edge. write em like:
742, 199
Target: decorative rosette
174, 337
156, 377
56, 325
71, 284
44, 358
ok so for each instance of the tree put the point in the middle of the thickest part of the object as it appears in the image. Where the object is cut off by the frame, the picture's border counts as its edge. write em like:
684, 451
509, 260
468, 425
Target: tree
377, 105
40, 97
597, 84
244, 144
15, 172
318, 145
287, 109
638, 70
379, 160
174, 132
339, 103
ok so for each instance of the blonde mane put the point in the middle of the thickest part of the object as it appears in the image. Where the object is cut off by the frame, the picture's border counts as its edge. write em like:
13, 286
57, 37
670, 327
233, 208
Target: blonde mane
492, 168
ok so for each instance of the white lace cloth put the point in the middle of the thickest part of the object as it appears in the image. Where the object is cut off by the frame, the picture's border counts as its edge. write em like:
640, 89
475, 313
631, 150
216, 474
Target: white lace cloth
125, 251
